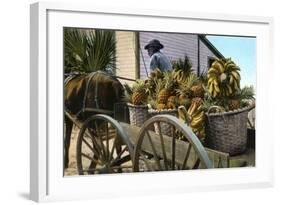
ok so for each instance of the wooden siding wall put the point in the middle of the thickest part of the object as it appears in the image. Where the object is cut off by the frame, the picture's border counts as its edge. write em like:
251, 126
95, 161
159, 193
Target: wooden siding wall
126, 55
175, 46
205, 53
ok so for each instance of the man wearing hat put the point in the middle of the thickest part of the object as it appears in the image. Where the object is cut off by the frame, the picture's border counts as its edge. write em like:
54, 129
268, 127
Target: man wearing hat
157, 59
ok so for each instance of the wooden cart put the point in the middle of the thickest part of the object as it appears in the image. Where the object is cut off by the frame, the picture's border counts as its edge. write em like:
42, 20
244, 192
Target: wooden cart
105, 145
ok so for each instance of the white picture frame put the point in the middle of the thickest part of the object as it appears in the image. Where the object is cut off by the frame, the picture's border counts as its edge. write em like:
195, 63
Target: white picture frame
46, 137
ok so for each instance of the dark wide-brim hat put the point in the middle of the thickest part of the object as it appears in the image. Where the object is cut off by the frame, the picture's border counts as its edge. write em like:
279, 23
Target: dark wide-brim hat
154, 43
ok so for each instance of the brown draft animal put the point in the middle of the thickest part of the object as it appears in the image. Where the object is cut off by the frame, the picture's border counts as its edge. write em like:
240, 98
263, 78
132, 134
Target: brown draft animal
108, 92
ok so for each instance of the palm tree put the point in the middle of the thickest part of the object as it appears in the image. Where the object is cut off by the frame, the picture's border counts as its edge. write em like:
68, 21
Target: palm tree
89, 50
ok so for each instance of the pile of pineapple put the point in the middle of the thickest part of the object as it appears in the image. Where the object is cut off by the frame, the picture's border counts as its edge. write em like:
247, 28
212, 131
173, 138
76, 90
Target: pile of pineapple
168, 90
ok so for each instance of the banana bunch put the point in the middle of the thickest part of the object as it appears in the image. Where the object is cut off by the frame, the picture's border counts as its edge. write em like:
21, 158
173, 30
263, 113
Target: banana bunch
194, 117
223, 78
182, 68
179, 75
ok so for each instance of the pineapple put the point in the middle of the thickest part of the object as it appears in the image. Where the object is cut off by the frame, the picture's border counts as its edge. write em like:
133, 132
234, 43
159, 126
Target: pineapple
182, 97
233, 104
163, 96
184, 91
161, 106
165, 88
197, 91
198, 101
246, 94
172, 101
139, 92
183, 100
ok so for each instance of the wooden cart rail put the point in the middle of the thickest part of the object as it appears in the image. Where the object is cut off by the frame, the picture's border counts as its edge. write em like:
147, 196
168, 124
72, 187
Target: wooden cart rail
218, 159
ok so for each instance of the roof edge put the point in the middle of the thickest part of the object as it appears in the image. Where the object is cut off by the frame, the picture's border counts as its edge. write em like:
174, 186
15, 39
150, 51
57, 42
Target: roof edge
203, 38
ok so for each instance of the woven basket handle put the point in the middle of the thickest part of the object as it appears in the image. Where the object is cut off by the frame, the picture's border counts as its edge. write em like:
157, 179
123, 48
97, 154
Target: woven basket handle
214, 107
251, 106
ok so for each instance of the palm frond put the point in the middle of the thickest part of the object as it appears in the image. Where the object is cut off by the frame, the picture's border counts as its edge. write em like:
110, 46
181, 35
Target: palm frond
89, 50
247, 93
75, 47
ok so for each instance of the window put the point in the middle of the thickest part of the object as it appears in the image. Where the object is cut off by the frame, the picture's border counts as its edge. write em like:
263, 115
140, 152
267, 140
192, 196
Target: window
210, 61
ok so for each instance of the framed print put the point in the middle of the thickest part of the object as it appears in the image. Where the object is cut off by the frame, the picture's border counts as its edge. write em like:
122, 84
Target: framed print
129, 102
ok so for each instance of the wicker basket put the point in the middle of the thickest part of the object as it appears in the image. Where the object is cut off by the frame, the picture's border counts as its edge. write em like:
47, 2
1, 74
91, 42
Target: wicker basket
227, 131
138, 114
165, 128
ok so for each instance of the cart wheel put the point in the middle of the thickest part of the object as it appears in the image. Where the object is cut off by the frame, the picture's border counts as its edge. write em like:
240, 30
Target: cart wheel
161, 149
103, 147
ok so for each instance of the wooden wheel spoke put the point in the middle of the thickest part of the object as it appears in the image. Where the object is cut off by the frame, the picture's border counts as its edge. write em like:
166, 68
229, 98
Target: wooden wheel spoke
91, 148
96, 144
196, 163
119, 155
220, 163
163, 147
103, 148
186, 156
112, 150
154, 151
99, 136
90, 158
121, 160
167, 151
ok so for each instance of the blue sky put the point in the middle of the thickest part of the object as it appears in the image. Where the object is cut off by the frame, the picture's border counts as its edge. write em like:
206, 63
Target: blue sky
242, 51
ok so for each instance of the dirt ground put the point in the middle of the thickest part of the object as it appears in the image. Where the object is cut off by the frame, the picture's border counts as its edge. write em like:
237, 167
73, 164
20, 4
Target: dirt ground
72, 169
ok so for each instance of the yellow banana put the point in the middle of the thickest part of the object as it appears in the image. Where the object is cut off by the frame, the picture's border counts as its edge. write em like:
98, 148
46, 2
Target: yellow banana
191, 109
216, 82
215, 94
194, 124
211, 87
236, 75
229, 89
219, 66
211, 80
182, 117
199, 116
236, 87
180, 77
231, 79
232, 67
217, 89
196, 113
228, 63
175, 74
212, 70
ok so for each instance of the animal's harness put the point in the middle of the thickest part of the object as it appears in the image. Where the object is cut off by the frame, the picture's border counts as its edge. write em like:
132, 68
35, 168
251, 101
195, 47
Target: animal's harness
91, 75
